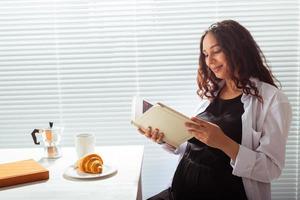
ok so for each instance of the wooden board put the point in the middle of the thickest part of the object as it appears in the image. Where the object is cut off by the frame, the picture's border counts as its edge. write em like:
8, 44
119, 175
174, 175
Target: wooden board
23, 171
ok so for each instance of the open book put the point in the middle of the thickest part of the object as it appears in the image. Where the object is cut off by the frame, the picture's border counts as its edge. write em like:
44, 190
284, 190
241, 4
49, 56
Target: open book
160, 116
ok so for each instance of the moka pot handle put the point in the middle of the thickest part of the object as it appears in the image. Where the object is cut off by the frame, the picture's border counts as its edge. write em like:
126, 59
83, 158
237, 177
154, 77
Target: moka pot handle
34, 136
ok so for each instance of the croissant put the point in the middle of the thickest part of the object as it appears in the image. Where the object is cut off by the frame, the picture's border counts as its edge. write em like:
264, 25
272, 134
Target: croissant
91, 163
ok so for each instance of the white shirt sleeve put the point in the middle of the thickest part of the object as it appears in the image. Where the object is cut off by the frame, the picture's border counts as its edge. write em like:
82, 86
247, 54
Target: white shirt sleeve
180, 150
266, 161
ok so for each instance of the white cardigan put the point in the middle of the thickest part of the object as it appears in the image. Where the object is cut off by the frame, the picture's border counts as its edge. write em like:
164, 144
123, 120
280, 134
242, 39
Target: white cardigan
265, 128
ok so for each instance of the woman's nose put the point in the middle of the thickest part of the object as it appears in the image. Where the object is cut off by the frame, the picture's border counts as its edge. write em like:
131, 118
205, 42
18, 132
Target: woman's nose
209, 60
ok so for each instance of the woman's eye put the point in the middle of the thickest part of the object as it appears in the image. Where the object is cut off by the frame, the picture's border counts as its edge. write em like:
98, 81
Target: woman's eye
218, 51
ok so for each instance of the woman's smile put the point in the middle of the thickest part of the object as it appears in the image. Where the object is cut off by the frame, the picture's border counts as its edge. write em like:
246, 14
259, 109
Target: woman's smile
217, 69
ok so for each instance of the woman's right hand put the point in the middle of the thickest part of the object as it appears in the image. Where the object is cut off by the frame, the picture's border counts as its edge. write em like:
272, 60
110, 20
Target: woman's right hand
155, 135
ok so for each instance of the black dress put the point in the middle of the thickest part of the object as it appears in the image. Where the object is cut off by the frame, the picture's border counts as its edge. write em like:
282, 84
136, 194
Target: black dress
205, 172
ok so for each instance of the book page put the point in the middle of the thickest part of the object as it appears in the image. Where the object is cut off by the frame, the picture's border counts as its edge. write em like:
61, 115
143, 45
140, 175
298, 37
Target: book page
139, 106
167, 120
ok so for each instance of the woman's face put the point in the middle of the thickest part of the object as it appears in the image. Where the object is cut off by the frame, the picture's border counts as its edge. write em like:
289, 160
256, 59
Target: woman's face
215, 58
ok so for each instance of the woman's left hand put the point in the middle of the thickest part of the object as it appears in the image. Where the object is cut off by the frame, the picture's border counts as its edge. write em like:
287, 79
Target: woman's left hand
207, 132
212, 135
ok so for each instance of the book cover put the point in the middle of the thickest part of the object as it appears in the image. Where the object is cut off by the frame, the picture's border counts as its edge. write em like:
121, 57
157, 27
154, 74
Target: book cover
166, 119
23, 171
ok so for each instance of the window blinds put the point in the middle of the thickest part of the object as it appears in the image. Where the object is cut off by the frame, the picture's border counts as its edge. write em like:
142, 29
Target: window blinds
78, 63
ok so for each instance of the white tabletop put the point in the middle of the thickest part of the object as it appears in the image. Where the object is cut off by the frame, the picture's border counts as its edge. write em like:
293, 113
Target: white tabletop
125, 184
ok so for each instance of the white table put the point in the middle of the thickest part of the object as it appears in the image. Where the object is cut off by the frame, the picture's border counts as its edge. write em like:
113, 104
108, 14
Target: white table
125, 184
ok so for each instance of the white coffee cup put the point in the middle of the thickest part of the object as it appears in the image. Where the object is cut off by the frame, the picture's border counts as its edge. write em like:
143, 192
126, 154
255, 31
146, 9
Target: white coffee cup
84, 144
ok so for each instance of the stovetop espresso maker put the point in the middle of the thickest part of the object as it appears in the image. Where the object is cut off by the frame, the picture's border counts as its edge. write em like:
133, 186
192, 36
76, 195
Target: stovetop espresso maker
51, 139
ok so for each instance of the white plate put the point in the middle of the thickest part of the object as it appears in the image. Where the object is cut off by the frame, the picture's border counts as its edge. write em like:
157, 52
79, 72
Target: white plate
74, 173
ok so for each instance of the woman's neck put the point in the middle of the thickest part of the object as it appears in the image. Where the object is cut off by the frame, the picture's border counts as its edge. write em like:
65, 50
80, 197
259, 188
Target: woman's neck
229, 90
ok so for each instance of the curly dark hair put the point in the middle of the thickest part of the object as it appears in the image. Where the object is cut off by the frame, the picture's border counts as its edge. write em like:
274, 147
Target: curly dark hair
244, 57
